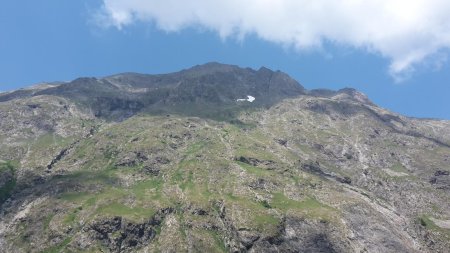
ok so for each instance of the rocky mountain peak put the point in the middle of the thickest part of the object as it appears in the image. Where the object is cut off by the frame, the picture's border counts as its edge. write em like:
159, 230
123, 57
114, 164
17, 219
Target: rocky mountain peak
211, 67
217, 158
212, 89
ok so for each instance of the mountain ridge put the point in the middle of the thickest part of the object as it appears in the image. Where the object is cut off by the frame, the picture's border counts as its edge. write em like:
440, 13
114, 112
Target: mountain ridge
132, 85
116, 164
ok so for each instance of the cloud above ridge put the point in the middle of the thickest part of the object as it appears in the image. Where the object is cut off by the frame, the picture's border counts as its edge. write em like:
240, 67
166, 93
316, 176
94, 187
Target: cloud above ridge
407, 32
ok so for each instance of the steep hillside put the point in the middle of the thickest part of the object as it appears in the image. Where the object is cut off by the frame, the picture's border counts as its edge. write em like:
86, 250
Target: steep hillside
184, 162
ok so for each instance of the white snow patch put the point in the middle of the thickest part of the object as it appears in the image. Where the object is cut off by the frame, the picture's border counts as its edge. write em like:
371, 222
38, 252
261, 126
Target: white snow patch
249, 99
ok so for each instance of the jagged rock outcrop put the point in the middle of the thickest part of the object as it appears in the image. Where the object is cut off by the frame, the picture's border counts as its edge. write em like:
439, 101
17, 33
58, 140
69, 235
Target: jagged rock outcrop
120, 235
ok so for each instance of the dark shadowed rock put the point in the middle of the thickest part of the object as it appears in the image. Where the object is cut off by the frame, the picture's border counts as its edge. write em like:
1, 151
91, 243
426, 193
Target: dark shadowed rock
209, 90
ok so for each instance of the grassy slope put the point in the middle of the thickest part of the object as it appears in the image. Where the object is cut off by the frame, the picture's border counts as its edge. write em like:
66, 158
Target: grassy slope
201, 172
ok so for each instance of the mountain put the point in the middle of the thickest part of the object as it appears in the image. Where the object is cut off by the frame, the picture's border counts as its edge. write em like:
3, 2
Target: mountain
217, 158
209, 90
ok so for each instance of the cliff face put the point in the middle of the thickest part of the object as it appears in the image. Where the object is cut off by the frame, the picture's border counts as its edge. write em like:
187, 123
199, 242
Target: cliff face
174, 162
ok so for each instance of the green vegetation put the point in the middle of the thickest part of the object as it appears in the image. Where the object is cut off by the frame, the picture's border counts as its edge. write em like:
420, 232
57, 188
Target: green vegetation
73, 196
47, 221
100, 188
104, 177
256, 215
149, 189
60, 247
7, 170
119, 209
426, 222
188, 183
90, 202
265, 204
280, 201
163, 161
254, 170
158, 229
264, 221
183, 176
8, 166
398, 167
51, 140
221, 247
70, 218
309, 207
195, 148
243, 125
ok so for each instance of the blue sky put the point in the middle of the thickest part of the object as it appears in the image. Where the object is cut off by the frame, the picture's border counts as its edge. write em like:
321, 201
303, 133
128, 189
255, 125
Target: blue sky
399, 68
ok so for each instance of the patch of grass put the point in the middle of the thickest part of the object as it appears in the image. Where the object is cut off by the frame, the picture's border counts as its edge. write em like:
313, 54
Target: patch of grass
243, 125
426, 222
84, 148
8, 166
195, 148
90, 202
398, 167
119, 209
221, 247
188, 183
70, 218
255, 214
253, 170
265, 204
51, 140
265, 220
186, 174
182, 228
309, 207
280, 201
148, 189
198, 192
110, 201
178, 176
47, 221
105, 176
232, 197
73, 196
305, 148
205, 191
110, 153
46, 145
158, 229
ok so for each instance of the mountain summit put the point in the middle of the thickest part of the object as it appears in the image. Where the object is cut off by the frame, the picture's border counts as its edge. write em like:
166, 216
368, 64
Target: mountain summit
217, 158
209, 90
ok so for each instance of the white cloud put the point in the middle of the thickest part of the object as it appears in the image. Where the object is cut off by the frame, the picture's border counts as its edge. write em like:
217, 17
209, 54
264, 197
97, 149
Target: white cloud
407, 32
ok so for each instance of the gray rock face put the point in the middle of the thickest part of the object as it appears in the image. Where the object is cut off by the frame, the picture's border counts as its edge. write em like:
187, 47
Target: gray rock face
441, 179
119, 235
209, 90
174, 163
301, 235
